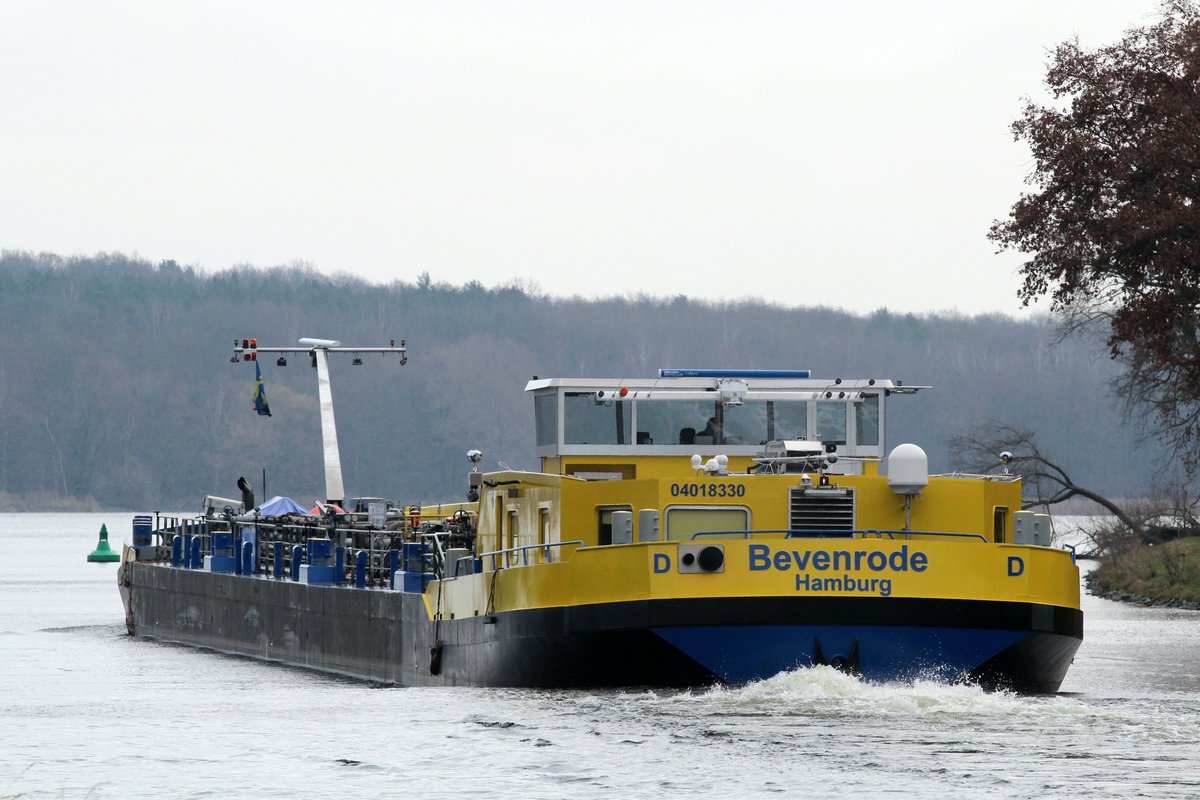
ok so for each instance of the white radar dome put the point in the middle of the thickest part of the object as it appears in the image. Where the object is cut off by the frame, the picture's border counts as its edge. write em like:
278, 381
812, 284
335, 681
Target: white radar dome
908, 469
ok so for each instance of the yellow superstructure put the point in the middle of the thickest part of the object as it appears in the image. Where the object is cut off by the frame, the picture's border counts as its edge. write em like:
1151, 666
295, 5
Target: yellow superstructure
952, 523
741, 524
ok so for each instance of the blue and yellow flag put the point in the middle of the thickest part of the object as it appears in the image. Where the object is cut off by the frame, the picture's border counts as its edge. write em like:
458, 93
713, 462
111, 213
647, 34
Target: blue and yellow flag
260, 393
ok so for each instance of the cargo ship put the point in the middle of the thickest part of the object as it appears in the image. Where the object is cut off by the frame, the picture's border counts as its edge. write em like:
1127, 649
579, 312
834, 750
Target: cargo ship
698, 527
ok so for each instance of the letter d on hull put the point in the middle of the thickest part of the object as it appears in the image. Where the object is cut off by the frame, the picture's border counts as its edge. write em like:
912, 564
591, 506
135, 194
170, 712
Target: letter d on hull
662, 563
1016, 565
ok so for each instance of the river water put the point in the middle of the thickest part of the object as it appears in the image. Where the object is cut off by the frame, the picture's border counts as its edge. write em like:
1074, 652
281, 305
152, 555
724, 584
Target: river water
86, 712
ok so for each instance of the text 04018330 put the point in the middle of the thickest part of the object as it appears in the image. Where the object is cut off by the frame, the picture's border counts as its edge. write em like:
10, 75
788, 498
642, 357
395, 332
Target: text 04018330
708, 490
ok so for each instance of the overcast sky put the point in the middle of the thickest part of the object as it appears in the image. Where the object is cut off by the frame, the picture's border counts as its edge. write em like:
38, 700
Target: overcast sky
846, 154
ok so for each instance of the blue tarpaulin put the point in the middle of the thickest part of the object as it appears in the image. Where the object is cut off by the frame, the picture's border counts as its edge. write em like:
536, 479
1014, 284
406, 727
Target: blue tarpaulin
278, 505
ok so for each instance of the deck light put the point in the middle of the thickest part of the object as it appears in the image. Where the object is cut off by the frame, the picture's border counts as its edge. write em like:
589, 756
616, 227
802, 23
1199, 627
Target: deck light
281, 362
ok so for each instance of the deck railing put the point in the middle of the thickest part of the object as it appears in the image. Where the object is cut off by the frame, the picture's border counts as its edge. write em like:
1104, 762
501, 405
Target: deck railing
524, 550
837, 534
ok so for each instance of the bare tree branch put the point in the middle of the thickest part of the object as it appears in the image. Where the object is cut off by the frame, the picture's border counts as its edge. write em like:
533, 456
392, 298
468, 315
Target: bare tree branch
1046, 483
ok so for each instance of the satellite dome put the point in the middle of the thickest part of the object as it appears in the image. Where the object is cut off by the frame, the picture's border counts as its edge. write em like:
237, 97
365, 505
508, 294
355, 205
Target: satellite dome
908, 469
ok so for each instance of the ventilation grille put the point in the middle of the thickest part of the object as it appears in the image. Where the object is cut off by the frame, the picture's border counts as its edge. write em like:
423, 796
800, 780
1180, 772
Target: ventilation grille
821, 510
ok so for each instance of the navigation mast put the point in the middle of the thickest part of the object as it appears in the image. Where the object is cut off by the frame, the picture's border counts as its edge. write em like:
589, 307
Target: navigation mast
247, 350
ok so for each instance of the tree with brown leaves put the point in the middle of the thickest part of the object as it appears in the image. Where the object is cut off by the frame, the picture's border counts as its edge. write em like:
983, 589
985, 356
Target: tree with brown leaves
1112, 226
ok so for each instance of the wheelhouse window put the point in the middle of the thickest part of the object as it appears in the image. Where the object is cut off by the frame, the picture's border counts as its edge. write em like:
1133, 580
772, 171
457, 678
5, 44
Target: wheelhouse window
831, 422
787, 421
678, 422
576, 420
866, 420
757, 423
545, 415
586, 421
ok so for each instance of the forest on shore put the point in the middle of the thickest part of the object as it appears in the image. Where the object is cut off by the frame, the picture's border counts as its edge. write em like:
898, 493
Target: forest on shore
117, 391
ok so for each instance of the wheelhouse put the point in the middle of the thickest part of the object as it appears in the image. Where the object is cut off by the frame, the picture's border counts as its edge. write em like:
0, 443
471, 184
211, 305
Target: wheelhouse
607, 428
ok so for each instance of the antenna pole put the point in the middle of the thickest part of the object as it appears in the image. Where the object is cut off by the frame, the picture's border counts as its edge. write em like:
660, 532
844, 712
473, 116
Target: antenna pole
334, 493
319, 349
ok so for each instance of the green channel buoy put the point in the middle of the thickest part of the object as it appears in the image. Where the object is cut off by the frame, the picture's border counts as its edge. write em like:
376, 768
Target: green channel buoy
103, 552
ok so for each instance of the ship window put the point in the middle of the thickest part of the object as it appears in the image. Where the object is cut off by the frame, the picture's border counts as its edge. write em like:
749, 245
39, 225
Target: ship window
866, 419
678, 421
512, 529
761, 422
545, 414
587, 422
744, 424
604, 528
1000, 524
831, 422
684, 522
786, 421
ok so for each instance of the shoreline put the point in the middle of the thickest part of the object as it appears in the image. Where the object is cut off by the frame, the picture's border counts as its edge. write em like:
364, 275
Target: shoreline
1097, 589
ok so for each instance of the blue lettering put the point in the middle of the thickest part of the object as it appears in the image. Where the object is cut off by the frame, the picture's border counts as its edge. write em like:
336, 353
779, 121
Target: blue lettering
1015, 566
760, 557
662, 563
844, 583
